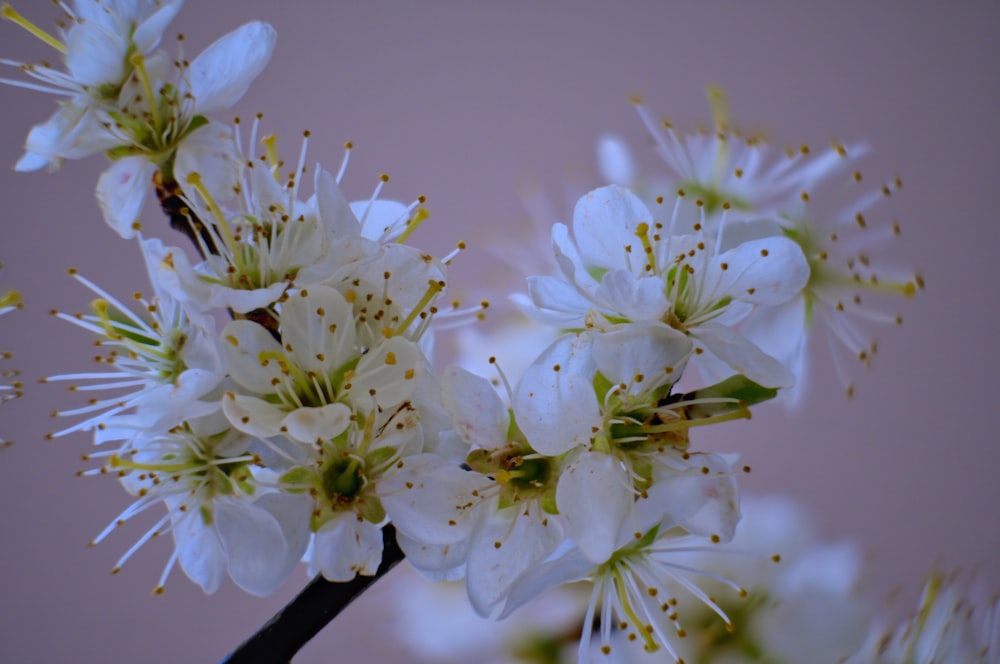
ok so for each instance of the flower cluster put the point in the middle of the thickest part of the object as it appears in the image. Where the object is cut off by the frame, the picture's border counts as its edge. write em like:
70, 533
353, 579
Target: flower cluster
312, 418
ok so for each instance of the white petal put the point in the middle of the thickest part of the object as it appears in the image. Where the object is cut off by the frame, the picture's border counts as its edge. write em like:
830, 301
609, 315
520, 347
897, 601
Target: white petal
265, 540
122, 191
604, 223
244, 301
431, 499
378, 218
522, 545
72, 132
593, 495
318, 322
253, 416
333, 207
614, 160
211, 152
199, 551
309, 425
705, 504
148, 33
781, 333
345, 547
243, 342
744, 357
254, 543
571, 567
386, 375
476, 410
635, 298
221, 74
434, 561
30, 161
556, 408
767, 271
95, 55
556, 302
642, 355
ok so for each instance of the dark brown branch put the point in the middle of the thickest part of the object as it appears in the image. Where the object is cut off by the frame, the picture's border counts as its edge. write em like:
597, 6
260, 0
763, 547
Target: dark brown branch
180, 216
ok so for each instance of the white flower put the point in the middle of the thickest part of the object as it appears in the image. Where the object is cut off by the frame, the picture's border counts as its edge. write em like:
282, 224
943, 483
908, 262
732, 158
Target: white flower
509, 522
601, 399
833, 222
435, 624
345, 477
311, 384
220, 519
802, 599
722, 165
947, 627
635, 589
163, 355
129, 100
623, 266
100, 45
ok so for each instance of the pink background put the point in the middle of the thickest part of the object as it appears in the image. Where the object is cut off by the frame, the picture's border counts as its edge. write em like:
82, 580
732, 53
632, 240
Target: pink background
468, 103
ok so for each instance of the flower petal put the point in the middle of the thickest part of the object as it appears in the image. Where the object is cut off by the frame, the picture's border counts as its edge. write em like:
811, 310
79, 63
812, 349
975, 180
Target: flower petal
476, 410
594, 497
221, 74
554, 403
122, 191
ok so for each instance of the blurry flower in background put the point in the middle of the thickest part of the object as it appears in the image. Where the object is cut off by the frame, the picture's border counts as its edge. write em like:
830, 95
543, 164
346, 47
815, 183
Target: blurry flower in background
802, 603
951, 624
435, 624
747, 189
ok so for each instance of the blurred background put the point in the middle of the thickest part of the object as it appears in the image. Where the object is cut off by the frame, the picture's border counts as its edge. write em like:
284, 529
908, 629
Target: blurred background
477, 106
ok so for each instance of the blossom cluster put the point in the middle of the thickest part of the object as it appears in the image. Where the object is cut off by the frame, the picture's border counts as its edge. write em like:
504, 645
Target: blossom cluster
312, 418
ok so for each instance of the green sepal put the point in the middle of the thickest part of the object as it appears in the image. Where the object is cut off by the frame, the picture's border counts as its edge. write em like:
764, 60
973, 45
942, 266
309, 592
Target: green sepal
479, 461
243, 478
596, 272
371, 509
114, 154
548, 500
296, 476
616, 320
514, 433
379, 456
507, 499
197, 122
601, 386
735, 387
206, 514
644, 470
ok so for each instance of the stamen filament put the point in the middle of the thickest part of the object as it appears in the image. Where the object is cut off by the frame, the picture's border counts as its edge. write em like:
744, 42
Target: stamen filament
9, 13
139, 62
195, 180
419, 216
433, 288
